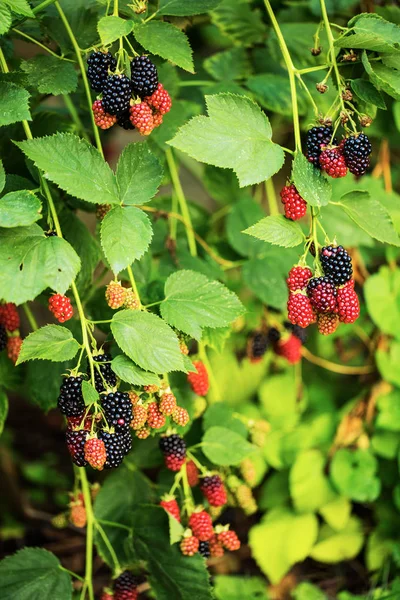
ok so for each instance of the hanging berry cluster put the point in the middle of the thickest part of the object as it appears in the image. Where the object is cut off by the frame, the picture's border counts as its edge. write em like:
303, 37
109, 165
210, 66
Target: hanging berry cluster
286, 342
10, 338
135, 102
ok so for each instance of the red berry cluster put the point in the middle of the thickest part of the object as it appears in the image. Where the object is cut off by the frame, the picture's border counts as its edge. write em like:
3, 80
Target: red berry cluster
148, 114
61, 307
153, 408
295, 206
10, 338
352, 153
101, 118
118, 296
202, 537
199, 381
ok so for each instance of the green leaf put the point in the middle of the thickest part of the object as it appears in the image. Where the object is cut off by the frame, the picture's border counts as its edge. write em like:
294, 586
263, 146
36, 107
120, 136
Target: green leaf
383, 77
131, 373
309, 486
193, 301
243, 214
14, 104
308, 591
265, 279
382, 295
370, 215
285, 413
5, 19
126, 233
288, 537
309, 181
43, 380
167, 41
90, 394
272, 91
119, 495
113, 27
170, 574
230, 587
20, 7
372, 33
237, 20
388, 362
147, 340
230, 64
246, 148
31, 262
337, 512
277, 230
215, 337
50, 75
354, 474
378, 551
33, 573
221, 414
139, 174
19, 208
388, 406
74, 165
225, 447
337, 546
190, 7
368, 92
51, 342
3, 409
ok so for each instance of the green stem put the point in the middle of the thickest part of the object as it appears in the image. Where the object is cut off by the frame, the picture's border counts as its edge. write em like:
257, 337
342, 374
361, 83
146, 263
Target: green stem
115, 11
89, 533
186, 490
173, 223
113, 524
35, 11
291, 72
331, 41
311, 69
30, 316
31, 39
198, 464
75, 116
83, 72
182, 200
271, 197
133, 284
194, 82
311, 99
108, 545
213, 381
75, 575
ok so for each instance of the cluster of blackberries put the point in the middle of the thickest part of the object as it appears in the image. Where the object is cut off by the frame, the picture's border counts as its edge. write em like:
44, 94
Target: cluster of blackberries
151, 409
138, 102
327, 299
335, 159
10, 338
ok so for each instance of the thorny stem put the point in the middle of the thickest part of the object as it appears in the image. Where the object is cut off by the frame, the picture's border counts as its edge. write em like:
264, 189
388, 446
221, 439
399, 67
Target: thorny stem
83, 73
89, 533
271, 197
182, 200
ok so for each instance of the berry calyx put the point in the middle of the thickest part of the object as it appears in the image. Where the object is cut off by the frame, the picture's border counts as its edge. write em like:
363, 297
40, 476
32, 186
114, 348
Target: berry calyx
170, 504
61, 307
214, 490
189, 545
144, 76
9, 316
101, 118
173, 448
348, 306
336, 263
180, 416
95, 453
115, 295
298, 278
155, 418
141, 117
322, 293
167, 403
14, 344
200, 523
327, 323
199, 381
229, 540
332, 162
289, 349
300, 310
295, 206
160, 100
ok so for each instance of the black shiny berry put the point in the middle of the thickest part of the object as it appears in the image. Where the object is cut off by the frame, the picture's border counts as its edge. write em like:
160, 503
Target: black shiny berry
116, 95
274, 335
104, 374
144, 76
70, 401
316, 138
76, 446
3, 337
259, 345
117, 409
98, 65
299, 332
114, 448
125, 122
336, 264
356, 151
173, 445
126, 440
204, 549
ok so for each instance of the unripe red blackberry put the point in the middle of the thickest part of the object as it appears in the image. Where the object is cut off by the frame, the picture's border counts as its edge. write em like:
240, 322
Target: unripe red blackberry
98, 65
170, 504
117, 409
327, 323
200, 523
336, 263
180, 416
189, 545
192, 473
101, 118
348, 304
14, 344
61, 307
9, 316
3, 338
204, 549
125, 587
133, 397
289, 349
199, 381
139, 412
298, 278
173, 448
214, 490
77, 515
300, 310
95, 453
103, 373
229, 540
143, 433
160, 100
76, 445
144, 76
80, 422
70, 401
332, 162
167, 403
323, 294
356, 151
316, 138
216, 547
141, 117
295, 206
107, 595
115, 295
115, 450
155, 418
116, 94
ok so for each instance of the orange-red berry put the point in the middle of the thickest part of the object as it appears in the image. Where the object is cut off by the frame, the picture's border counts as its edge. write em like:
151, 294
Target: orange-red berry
95, 453
155, 418
139, 412
189, 545
9, 316
229, 540
167, 403
170, 505
61, 307
14, 347
160, 100
101, 118
141, 117
200, 523
199, 381
115, 295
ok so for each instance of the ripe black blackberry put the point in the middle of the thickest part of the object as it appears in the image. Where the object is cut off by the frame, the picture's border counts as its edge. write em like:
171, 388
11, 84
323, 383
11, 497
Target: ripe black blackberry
356, 151
50, 234
336, 263
299, 332
259, 345
316, 138
3, 337
114, 448
125, 122
76, 446
126, 440
274, 335
98, 65
173, 448
125, 584
117, 93
106, 374
117, 409
204, 549
70, 401
144, 76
